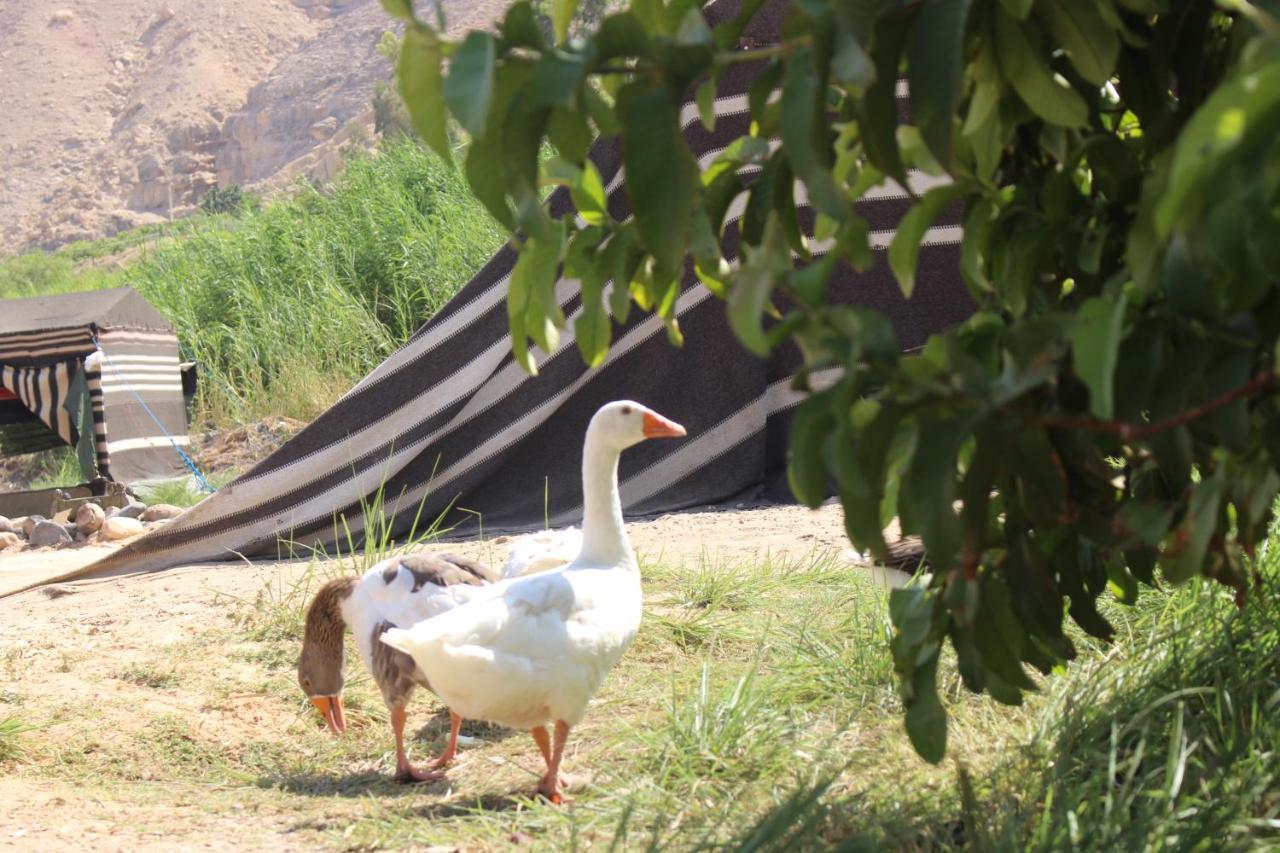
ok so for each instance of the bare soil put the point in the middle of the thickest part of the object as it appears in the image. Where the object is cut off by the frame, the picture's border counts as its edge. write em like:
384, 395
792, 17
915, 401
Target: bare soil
115, 665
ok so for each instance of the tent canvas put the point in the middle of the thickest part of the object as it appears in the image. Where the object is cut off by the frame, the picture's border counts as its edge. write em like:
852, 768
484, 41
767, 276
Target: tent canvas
450, 426
97, 371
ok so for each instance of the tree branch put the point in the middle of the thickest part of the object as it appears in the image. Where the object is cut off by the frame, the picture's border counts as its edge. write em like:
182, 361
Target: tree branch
1138, 432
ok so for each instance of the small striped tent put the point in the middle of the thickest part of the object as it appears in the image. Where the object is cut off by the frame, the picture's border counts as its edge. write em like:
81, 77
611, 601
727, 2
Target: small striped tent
450, 427
98, 371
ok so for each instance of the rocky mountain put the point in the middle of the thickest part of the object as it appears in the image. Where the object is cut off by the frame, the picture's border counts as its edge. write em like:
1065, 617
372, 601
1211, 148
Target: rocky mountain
123, 112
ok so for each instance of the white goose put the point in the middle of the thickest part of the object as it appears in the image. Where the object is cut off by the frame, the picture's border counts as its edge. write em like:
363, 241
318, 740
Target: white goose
532, 651
403, 591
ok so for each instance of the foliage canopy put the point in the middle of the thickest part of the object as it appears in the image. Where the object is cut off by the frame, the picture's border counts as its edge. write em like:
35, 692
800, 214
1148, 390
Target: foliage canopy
1107, 409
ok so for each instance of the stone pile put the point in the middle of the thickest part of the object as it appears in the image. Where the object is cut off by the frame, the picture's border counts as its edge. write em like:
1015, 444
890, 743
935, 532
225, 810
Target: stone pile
90, 523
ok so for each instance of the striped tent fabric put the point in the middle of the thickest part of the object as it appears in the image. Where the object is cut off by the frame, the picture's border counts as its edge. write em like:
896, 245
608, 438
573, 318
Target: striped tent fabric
98, 411
116, 349
449, 427
142, 403
46, 392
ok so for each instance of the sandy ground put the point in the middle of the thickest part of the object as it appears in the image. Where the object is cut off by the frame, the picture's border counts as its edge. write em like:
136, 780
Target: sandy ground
55, 643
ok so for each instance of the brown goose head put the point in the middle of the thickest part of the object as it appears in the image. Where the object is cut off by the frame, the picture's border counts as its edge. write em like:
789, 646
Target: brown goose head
320, 664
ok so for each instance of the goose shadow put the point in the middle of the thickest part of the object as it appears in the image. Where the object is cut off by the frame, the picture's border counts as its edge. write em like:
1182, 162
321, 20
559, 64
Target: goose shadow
380, 782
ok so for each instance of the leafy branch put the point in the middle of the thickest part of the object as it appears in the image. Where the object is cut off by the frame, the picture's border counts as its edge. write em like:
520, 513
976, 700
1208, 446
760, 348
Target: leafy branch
1103, 418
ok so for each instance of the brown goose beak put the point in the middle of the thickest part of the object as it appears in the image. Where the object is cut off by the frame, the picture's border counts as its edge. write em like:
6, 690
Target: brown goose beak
330, 707
656, 426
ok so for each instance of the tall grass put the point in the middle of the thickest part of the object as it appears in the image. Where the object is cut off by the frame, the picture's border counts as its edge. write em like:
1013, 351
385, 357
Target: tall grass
286, 306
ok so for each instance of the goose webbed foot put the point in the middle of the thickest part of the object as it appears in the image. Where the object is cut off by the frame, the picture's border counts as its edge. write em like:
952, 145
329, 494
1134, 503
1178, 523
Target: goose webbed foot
410, 775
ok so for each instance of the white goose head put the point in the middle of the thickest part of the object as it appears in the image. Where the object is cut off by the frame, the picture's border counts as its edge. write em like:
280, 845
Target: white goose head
625, 423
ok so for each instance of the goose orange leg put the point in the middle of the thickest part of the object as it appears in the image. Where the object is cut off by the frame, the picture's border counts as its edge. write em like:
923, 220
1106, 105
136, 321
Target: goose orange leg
549, 787
451, 749
406, 772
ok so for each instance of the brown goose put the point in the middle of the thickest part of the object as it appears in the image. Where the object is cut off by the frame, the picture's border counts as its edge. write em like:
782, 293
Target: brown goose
398, 592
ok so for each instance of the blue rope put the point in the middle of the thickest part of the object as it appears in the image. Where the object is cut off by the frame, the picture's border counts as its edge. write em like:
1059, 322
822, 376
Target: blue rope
191, 465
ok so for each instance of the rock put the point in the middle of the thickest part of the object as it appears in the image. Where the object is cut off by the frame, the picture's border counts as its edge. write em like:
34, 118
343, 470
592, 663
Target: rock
9, 539
121, 527
133, 509
46, 533
324, 128
89, 518
58, 591
62, 16
30, 522
7, 526
161, 512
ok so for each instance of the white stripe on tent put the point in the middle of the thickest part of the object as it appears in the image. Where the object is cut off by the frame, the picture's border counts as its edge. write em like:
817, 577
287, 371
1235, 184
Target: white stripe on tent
145, 359
43, 353
146, 442
125, 336
59, 335
154, 370
126, 387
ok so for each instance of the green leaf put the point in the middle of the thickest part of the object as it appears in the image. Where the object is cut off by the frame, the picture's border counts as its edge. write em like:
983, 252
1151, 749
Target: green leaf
1185, 548
926, 721
1019, 9
929, 489
621, 35
660, 173
754, 283
1145, 522
402, 9
561, 15
556, 77
728, 32
569, 132
1089, 41
936, 70
591, 330
904, 250
878, 119
806, 471
999, 636
1239, 113
421, 88
468, 90
850, 62
619, 259
1047, 94
520, 28
588, 195
859, 17
531, 293
1095, 347
804, 137
706, 99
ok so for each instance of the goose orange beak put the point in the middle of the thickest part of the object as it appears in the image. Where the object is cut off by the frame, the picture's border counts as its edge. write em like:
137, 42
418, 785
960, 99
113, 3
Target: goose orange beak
330, 707
656, 426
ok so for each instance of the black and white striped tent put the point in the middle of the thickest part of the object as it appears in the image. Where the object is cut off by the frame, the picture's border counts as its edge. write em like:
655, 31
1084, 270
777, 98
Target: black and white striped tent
451, 426
97, 371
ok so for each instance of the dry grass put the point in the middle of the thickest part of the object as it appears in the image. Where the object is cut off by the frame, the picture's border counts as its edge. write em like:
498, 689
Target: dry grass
757, 708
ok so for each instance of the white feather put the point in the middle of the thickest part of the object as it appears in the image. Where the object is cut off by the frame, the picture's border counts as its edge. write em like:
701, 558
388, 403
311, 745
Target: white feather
534, 553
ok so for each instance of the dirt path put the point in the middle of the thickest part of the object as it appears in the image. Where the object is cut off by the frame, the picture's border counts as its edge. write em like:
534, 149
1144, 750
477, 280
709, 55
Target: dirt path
116, 676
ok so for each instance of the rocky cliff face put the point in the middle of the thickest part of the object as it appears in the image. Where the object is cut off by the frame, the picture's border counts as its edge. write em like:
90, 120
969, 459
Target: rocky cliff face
122, 112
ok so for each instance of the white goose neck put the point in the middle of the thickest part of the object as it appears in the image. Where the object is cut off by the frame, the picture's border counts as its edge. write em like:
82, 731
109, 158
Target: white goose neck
604, 537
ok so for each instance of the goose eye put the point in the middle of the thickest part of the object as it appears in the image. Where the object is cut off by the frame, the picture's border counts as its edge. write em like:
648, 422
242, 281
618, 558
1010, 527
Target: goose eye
626, 410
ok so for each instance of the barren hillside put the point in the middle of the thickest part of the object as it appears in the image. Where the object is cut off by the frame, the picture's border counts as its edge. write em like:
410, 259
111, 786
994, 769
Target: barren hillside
119, 112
